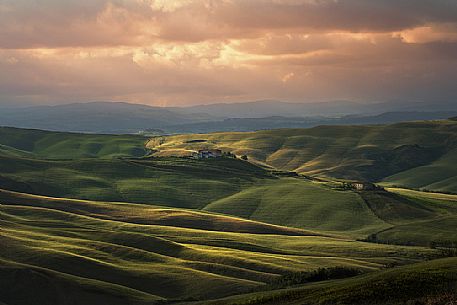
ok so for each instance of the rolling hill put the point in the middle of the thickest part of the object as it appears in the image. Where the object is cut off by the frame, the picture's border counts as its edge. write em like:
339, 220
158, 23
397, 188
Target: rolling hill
297, 203
119, 252
232, 187
228, 186
440, 175
371, 152
424, 283
62, 145
172, 182
96, 219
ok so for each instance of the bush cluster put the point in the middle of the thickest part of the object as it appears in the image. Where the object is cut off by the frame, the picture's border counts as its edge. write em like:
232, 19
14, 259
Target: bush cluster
321, 274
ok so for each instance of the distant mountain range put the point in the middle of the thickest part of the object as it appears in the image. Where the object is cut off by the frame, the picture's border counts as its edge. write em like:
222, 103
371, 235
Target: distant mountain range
267, 108
97, 117
119, 118
276, 122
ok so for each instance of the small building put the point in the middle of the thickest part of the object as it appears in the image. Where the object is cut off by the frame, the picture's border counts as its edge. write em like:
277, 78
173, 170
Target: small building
209, 153
364, 186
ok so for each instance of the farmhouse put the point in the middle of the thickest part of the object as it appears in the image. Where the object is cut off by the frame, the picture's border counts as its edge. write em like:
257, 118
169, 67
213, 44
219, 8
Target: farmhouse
364, 186
211, 153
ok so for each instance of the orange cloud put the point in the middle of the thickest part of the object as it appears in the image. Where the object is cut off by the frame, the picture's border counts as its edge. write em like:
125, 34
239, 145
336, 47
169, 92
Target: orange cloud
430, 33
186, 51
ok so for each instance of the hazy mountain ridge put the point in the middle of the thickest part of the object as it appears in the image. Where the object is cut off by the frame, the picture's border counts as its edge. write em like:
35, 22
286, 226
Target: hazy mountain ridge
96, 117
118, 118
277, 122
267, 108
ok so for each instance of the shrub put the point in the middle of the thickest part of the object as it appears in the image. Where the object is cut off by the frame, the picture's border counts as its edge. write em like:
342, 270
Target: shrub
321, 274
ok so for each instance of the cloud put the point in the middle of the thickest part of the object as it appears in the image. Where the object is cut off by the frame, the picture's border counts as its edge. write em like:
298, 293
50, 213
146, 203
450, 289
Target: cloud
184, 51
287, 77
51, 23
430, 33
167, 5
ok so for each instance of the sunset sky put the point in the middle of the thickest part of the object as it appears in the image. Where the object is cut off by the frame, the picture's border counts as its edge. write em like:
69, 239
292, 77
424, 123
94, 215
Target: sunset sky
184, 52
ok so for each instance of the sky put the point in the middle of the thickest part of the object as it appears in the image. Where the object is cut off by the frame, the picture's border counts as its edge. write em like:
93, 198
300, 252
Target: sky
185, 52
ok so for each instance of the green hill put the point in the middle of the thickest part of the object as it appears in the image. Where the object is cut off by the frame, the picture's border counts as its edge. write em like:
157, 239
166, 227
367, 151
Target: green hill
228, 186
52, 288
300, 203
107, 251
237, 188
424, 283
379, 216
136, 229
148, 215
62, 145
424, 229
439, 176
347, 152
171, 182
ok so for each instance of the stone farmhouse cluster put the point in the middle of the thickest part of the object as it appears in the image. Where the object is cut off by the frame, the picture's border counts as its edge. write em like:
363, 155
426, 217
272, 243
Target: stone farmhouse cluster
208, 153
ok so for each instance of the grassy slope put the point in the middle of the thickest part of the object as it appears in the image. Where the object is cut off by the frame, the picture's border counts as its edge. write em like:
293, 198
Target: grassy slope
148, 215
62, 145
226, 186
438, 227
439, 176
52, 288
434, 197
72, 241
433, 282
126, 249
299, 203
170, 182
394, 217
354, 152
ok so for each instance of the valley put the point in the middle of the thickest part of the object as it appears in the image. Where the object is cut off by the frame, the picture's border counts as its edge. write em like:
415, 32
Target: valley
131, 220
